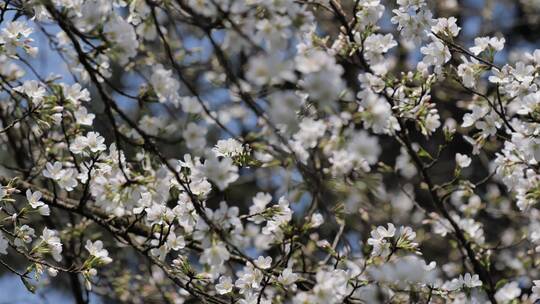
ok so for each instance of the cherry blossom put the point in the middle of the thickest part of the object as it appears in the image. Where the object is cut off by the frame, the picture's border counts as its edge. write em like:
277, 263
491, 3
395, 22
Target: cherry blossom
265, 151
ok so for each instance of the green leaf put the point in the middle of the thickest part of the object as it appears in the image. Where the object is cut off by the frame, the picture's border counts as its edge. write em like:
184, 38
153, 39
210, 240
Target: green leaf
501, 283
425, 154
